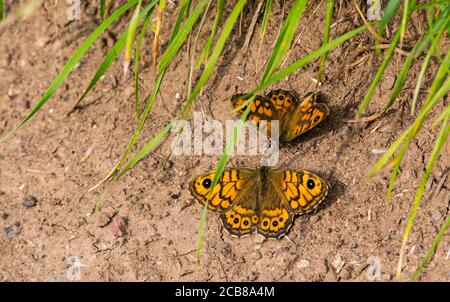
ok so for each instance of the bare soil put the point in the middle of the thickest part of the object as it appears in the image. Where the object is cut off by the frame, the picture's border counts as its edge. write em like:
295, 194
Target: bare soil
57, 157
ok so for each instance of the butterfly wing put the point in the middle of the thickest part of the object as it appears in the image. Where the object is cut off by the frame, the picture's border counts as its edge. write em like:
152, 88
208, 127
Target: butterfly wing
283, 100
275, 218
301, 190
260, 109
234, 195
306, 116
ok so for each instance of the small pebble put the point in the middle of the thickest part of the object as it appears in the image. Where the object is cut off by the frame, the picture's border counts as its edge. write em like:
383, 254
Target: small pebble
389, 82
338, 263
175, 195
4, 215
8, 230
29, 201
303, 263
436, 216
119, 226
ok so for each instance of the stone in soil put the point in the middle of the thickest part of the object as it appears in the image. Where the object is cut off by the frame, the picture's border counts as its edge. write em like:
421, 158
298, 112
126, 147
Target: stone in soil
29, 201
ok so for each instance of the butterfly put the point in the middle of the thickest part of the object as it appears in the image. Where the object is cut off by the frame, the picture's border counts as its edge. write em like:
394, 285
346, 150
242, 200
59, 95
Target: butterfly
263, 200
295, 117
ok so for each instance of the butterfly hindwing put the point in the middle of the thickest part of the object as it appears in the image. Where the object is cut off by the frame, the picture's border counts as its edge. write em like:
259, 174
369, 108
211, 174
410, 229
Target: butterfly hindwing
306, 116
282, 100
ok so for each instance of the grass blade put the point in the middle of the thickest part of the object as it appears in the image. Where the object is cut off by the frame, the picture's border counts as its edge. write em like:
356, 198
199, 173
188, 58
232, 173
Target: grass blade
431, 250
284, 39
102, 9
404, 21
409, 134
180, 37
174, 45
70, 65
207, 47
2, 10
162, 5
231, 142
110, 57
228, 26
149, 147
388, 14
310, 57
417, 50
379, 74
442, 137
131, 34
424, 66
326, 37
265, 20
138, 58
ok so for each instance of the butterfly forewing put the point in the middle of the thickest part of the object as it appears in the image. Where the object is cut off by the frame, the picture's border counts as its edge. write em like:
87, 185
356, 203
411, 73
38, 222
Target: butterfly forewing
301, 190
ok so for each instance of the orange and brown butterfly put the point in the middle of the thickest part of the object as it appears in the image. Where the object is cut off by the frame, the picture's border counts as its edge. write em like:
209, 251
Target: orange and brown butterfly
262, 200
295, 116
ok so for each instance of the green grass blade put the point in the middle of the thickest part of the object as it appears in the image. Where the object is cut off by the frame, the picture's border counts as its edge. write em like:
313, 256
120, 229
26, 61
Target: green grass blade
107, 61
284, 39
171, 51
388, 14
431, 250
102, 9
227, 28
262, 33
398, 161
265, 20
149, 147
2, 10
110, 57
441, 74
70, 65
379, 74
207, 47
432, 99
326, 38
404, 21
180, 36
194, 47
310, 57
388, 154
416, 51
138, 58
442, 137
131, 34
424, 66
176, 28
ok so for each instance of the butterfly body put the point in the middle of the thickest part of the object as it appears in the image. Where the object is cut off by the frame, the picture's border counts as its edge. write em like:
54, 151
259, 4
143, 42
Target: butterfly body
262, 200
295, 117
